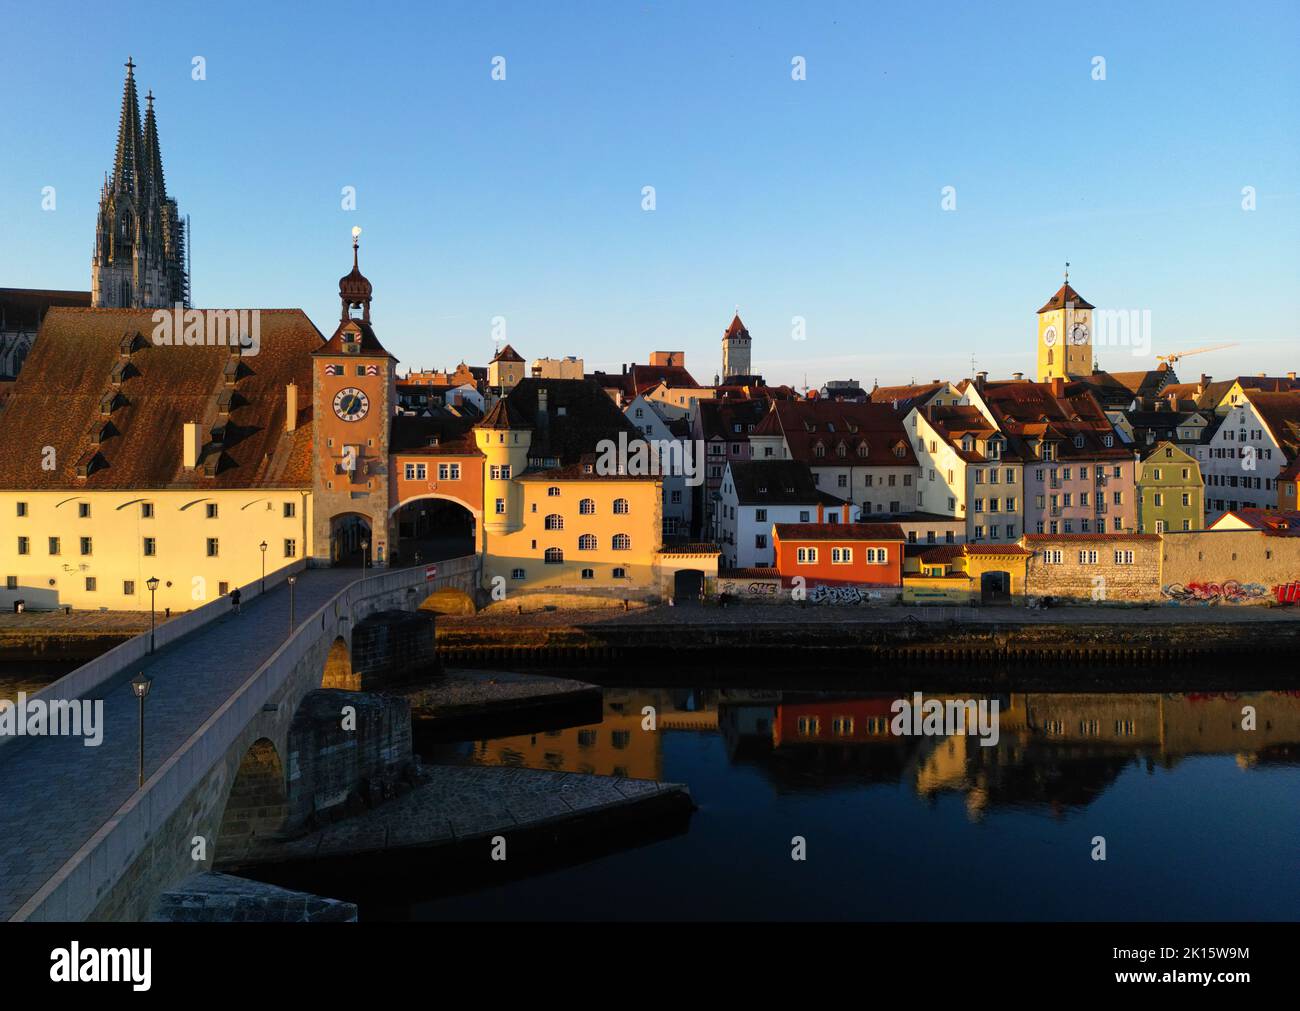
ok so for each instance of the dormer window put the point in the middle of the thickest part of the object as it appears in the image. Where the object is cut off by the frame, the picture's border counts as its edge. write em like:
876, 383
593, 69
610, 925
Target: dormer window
1108, 441
863, 449
841, 450
1078, 442
819, 450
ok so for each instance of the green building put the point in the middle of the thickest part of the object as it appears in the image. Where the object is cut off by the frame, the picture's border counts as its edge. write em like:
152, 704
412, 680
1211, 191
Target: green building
1169, 490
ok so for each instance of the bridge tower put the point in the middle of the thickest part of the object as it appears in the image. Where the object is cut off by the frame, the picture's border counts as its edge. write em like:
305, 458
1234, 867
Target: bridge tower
354, 396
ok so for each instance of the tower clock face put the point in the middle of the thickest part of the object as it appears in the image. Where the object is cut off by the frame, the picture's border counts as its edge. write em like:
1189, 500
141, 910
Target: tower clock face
1049, 336
1079, 335
351, 404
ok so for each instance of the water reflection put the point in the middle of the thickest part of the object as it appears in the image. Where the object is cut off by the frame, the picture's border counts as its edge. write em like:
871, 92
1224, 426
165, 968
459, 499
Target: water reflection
1054, 751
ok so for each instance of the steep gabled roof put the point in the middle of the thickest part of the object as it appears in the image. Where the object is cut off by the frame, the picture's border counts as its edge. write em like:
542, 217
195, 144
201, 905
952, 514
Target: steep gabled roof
507, 354
773, 482
1066, 295
873, 429
123, 417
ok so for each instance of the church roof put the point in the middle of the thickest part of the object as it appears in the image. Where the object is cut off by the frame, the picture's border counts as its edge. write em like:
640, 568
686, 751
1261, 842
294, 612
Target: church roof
1065, 294
737, 328
110, 404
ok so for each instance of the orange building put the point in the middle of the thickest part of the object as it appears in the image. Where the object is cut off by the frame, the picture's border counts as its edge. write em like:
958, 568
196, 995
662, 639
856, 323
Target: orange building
862, 554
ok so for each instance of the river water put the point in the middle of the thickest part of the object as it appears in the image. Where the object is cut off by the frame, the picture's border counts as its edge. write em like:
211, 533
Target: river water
1199, 816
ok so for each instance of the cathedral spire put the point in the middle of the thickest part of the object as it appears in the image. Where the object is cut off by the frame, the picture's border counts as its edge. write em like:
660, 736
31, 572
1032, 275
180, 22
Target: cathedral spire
152, 154
126, 162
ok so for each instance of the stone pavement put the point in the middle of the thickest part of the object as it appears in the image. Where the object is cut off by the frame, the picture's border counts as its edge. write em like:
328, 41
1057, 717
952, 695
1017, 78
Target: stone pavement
220, 898
456, 804
55, 793
462, 692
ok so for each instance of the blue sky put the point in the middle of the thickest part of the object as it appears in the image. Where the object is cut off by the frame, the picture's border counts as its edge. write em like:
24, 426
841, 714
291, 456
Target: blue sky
819, 198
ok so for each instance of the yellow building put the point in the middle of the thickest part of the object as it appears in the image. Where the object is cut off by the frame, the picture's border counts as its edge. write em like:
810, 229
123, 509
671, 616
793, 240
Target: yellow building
1170, 491
964, 574
122, 459
1064, 336
563, 510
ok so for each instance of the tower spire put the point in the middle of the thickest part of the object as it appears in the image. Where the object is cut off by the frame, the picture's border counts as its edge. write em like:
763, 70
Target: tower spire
126, 161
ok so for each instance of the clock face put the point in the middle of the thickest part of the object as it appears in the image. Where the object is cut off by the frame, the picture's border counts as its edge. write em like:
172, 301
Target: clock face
351, 404
1049, 336
1079, 335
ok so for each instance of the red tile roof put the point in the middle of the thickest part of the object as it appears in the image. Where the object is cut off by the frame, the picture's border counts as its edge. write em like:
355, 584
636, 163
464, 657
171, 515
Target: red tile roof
839, 532
870, 434
1052, 538
1065, 294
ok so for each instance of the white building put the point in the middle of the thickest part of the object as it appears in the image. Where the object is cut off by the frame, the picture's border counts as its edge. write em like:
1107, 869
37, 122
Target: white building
753, 496
1256, 440
657, 429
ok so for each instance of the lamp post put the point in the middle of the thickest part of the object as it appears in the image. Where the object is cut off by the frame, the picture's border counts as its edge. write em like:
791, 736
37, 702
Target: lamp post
140, 685
152, 583
365, 552
263, 547
291, 580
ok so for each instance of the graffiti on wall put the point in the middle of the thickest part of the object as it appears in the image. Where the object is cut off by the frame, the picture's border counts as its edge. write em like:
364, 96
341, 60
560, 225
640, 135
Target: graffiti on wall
842, 595
1227, 592
1288, 593
756, 589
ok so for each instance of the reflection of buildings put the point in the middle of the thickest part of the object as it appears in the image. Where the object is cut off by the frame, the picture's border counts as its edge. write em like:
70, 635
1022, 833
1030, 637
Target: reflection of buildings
617, 746
1055, 751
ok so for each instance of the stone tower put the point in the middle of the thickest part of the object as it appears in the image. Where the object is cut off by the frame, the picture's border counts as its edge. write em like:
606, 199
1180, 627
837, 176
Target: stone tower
139, 256
735, 350
354, 395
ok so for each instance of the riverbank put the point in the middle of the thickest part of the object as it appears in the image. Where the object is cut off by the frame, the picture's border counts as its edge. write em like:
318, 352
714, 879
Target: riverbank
58, 636
768, 637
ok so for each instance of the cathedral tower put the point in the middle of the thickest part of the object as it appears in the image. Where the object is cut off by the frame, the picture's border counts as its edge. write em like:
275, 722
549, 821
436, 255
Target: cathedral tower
139, 256
1064, 335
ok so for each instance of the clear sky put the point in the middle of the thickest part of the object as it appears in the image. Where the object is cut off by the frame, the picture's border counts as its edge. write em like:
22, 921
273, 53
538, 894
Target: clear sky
818, 199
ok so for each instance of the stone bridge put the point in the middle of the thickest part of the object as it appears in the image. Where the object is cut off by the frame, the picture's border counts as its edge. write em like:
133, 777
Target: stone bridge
80, 840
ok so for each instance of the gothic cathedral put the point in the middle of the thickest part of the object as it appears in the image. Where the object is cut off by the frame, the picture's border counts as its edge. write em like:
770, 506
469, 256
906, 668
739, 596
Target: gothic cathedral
139, 256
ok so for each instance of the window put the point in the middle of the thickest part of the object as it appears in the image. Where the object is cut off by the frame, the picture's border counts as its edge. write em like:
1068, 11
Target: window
416, 472
843, 556
290, 509
1087, 558
587, 507
517, 574
760, 540
1160, 499
212, 510
500, 506
842, 726
22, 508
809, 726
500, 473
448, 472
760, 515
553, 492
620, 507
587, 542
804, 515
588, 573
213, 547
620, 573
1123, 557
54, 545
290, 548
807, 556
554, 522
83, 510
223, 588
150, 546
1051, 556
621, 542
85, 546
877, 556
90, 584
554, 556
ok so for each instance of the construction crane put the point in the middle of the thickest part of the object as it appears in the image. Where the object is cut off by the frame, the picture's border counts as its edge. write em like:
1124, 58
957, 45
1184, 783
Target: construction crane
1171, 359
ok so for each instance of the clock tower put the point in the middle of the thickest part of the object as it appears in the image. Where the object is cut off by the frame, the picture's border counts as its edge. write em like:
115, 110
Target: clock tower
1065, 335
354, 395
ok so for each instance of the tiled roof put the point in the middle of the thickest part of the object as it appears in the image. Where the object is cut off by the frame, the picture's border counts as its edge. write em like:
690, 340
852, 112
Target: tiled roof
579, 415
1052, 538
507, 354
1281, 412
1276, 522
1065, 294
839, 532
1032, 410
754, 572
440, 434
24, 308
940, 552
997, 550
717, 418
126, 428
701, 548
773, 482
370, 346
830, 424
737, 328
502, 416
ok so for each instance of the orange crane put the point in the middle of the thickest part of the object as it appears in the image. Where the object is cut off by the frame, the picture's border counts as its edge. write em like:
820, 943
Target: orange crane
1172, 358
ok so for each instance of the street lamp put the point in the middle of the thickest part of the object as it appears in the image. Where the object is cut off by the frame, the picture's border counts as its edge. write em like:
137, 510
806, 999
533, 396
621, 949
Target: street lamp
291, 580
152, 583
365, 552
263, 547
140, 685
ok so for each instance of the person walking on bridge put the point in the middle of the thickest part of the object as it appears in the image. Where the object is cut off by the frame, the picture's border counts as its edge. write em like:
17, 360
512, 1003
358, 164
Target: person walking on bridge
235, 597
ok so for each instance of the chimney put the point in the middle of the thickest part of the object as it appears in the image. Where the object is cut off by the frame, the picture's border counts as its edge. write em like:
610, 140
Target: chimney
1291, 376
291, 407
1017, 376
625, 368
980, 379
1205, 381
1058, 386
191, 444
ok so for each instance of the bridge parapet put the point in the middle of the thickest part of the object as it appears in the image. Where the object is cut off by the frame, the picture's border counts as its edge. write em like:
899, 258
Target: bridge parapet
145, 846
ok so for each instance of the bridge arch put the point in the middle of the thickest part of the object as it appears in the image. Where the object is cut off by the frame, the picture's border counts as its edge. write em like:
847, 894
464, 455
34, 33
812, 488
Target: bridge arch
257, 807
435, 525
352, 539
338, 666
